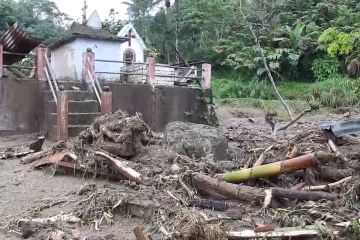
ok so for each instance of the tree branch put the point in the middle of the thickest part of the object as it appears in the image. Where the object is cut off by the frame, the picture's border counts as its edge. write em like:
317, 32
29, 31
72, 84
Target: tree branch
262, 52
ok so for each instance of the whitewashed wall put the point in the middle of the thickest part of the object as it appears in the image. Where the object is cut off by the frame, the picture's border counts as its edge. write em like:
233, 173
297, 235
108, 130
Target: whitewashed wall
67, 61
136, 47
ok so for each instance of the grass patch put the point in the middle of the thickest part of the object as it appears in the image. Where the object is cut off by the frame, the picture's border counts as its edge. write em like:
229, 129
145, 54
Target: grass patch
334, 92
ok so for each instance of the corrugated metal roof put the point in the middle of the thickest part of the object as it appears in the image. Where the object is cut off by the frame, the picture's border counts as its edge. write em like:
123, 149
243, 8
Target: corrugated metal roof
342, 128
16, 40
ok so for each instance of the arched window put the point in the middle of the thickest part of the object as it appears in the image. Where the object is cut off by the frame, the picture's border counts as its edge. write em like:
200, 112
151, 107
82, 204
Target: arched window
129, 56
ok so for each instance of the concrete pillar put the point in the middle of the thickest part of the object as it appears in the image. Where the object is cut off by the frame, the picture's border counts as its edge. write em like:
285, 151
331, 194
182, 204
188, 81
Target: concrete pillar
151, 78
1, 60
88, 66
106, 103
62, 116
40, 62
206, 82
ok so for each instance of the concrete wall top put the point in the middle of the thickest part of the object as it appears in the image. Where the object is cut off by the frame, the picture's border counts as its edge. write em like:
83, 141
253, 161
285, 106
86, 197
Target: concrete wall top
21, 105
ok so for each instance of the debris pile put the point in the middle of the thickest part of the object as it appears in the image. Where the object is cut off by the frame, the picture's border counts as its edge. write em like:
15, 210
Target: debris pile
200, 182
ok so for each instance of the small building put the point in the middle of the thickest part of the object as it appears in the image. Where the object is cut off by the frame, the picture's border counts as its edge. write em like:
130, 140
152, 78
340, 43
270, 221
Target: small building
67, 52
134, 49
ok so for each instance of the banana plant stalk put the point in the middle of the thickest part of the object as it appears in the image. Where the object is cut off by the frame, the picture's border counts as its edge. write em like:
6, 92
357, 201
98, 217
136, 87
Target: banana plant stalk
276, 168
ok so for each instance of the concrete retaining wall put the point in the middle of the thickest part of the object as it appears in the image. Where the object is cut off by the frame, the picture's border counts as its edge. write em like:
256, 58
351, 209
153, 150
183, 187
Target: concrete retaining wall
21, 106
162, 105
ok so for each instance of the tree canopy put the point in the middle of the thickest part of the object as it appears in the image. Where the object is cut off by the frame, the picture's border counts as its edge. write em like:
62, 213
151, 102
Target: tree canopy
303, 39
41, 18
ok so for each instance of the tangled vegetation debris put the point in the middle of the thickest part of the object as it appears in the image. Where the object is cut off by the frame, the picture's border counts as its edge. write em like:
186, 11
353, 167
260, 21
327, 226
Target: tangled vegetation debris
181, 186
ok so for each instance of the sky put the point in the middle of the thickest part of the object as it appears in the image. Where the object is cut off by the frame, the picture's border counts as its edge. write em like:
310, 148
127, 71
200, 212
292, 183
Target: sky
73, 8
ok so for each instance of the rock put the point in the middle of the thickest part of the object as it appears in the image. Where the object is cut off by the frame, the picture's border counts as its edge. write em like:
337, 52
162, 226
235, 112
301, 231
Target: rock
196, 140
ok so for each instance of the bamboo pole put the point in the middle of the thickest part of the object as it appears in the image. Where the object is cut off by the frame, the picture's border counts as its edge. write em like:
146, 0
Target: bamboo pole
273, 169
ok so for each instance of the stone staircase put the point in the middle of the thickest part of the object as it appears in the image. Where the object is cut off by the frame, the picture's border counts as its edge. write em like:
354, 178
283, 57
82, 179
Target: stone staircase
83, 110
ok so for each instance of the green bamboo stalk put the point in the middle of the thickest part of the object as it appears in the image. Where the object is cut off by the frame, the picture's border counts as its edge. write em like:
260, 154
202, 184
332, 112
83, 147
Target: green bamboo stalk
277, 168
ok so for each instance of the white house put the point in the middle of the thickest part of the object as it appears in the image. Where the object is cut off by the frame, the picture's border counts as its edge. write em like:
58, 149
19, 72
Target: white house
67, 52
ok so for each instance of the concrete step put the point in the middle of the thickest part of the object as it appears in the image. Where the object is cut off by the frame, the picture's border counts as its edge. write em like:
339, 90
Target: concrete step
87, 106
74, 95
76, 118
74, 130
66, 85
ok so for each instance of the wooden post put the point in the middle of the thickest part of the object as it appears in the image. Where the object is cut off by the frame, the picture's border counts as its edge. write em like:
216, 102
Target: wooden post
88, 66
1, 59
40, 62
62, 116
151, 79
106, 103
206, 82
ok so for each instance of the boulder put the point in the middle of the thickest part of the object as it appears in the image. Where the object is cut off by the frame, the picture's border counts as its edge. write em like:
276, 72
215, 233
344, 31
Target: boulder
196, 140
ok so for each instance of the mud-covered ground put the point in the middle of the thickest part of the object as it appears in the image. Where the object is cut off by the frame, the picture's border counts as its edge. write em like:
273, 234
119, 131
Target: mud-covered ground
26, 193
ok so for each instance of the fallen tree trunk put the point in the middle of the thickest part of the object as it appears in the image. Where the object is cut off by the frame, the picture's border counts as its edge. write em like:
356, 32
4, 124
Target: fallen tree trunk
36, 156
286, 166
223, 190
122, 168
218, 189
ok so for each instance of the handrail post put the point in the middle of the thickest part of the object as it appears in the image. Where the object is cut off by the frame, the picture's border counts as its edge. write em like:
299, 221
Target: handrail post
1, 60
206, 82
106, 102
62, 131
40, 62
151, 78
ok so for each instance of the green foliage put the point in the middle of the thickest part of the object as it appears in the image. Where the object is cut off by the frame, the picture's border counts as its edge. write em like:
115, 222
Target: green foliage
325, 68
340, 43
41, 18
113, 24
336, 92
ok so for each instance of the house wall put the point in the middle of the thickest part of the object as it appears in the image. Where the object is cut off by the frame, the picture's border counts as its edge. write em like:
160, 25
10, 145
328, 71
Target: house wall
67, 60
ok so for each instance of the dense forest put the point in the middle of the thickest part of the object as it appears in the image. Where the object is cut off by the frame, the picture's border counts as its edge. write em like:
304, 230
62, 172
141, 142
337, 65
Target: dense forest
302, 40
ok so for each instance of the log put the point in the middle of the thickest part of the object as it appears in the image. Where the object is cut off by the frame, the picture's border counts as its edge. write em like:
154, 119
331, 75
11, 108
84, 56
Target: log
218, 189
223, 190
302, 195
139, 233
69, 218
334, 174
277, 233
36, 156
273, 169
122, 168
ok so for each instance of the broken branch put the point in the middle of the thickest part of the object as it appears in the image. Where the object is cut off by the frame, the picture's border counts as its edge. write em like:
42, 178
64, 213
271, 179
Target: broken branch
328, 186
261, 159
277, 233
122, 168
36, 156
295, 119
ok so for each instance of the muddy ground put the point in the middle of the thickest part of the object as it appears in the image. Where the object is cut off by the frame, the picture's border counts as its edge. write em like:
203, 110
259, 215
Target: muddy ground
25, 192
